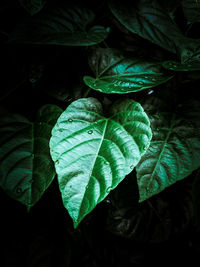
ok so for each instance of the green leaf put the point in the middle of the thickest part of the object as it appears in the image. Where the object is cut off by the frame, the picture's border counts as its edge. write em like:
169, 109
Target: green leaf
26, 168
93, 154
174, 153
149, 20
191, 9
177, 66
61, 25
117, 73
33, 6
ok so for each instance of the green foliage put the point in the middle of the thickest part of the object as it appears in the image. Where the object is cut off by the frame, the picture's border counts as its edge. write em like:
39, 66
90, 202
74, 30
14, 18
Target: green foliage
102, 137
174, 154
26, 168
60, 25
117, 73
93, 154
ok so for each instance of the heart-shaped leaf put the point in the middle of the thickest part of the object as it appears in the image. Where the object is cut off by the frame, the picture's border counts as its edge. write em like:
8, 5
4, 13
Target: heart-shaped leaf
32, 6
117, 73
93, 154
149, 20
61, 25
26, 168
174, 153
191, 9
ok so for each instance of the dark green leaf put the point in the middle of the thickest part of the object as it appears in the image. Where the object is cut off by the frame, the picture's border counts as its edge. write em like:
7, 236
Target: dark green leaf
157, 220
26, 168
177, 66
117, 73
32, 6
191, 9
149, 20
93, 154
61, 25
174, 154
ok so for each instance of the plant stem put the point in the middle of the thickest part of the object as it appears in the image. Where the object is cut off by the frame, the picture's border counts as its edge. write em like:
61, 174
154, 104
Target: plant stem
86, 93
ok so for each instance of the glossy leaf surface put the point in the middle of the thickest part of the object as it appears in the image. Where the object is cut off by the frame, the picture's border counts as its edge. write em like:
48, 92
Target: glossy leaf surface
174, 153
118, 73
26, 168
93, 154
61, 25
177, 66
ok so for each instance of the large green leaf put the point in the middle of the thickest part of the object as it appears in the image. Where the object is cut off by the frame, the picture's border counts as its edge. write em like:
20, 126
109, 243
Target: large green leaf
26, 168
61, 25
93, 154
149, 20
118, 73
191, 9
32, 6
174, 153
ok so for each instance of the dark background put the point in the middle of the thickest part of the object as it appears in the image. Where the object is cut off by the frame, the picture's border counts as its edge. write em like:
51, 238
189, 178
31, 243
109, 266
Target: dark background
119, 232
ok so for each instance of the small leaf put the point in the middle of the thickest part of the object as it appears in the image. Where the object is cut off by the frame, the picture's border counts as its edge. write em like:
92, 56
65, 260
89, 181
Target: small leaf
33, 6
174, 154
191, 9
61, 25
117, 73
93, 154
26, 168
149, 20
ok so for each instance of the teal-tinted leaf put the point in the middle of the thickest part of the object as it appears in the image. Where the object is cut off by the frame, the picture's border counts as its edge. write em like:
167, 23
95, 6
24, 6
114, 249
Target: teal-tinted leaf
93, 154
174, 154
117, 73
61, 25
32, 6
149, 20
26, 168
177, 66
191, 9
188, 50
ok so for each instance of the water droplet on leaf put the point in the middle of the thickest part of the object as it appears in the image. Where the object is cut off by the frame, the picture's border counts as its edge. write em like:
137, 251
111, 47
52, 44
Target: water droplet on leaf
131, 167
18, 190
57, 161
150, 92
70, 120
140, 82
108, 189
106, 162
90, 132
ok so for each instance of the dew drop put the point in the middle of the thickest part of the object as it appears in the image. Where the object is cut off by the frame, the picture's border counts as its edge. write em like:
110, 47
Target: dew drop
108, 189
60, 130
18, 190
57, 161
90, 132
140, 82
171, 68
174, 66
70, 120
153, 79
146, 77
150, 92
131, 167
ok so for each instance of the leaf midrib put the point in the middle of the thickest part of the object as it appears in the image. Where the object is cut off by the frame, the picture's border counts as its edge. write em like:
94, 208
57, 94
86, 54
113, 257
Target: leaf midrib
163, 148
